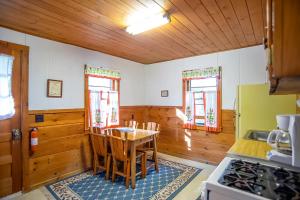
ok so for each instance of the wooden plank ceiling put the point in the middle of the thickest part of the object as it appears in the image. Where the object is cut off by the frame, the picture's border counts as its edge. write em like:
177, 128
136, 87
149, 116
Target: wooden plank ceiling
197, 26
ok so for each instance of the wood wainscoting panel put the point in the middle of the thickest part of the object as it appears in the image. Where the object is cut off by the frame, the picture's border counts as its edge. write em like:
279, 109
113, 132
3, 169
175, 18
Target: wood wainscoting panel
63, 149
52, 119
53, 167
191, 144
62, 144
137, 113
6, 185
50, 132
5, 178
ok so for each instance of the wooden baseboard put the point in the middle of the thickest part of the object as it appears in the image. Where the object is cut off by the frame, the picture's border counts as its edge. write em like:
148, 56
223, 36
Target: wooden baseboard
53, 180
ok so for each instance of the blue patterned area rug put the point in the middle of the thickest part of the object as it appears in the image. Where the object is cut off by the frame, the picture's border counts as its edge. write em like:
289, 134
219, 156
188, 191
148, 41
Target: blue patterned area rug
166, 184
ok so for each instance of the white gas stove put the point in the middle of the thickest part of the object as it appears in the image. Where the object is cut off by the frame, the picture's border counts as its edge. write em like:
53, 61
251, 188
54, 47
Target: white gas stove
236, 179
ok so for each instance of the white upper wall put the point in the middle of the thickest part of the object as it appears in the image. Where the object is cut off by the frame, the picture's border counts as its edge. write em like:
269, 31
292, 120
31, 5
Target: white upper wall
241, 66
140, 84
54, 60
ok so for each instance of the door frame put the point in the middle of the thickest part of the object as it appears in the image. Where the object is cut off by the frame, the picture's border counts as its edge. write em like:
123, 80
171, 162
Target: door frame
24, 111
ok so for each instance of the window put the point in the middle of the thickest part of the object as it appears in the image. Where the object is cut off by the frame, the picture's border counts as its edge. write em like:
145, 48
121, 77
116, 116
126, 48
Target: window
102, 100
201, 91
7, 109
200, 87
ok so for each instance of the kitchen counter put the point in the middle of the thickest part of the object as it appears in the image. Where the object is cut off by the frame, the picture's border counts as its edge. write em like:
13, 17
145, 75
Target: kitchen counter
250, 148
255, 151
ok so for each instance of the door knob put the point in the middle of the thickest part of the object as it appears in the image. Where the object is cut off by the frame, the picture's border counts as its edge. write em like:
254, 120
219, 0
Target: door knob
16, 134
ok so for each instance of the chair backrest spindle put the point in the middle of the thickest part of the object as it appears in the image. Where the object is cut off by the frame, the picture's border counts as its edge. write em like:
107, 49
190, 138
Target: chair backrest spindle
132, 124
151, 126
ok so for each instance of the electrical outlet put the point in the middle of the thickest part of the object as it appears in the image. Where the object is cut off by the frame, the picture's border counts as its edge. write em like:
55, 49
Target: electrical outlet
39, 118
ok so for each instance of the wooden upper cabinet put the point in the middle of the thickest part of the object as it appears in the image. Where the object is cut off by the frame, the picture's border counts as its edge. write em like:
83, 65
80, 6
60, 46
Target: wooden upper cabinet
283, 33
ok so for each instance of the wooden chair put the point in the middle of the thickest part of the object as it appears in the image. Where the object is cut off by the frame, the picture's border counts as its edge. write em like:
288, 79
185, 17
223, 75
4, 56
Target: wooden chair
119, 147
149, 146
153, 127
132, 124
99, 144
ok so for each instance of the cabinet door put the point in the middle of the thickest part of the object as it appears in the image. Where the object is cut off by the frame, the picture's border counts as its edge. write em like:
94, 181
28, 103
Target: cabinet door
286, 39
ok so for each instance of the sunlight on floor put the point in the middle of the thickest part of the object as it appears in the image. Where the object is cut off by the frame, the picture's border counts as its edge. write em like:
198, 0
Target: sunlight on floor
187, 136
180, 115
187, 139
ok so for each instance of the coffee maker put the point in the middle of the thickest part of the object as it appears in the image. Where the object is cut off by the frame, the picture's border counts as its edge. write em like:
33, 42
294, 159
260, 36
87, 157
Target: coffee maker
289, 129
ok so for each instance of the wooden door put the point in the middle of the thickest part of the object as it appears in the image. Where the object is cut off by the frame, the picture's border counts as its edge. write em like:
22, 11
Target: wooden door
10, 137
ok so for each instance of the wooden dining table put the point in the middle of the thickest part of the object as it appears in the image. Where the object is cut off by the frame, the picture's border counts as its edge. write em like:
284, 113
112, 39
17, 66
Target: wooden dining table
135, 138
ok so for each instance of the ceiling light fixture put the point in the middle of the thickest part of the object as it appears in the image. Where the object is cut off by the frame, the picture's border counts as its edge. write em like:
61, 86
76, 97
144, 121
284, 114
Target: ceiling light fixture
148, 23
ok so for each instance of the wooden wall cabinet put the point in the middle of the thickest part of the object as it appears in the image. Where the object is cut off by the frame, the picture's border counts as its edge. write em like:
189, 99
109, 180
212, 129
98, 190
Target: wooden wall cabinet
283, 46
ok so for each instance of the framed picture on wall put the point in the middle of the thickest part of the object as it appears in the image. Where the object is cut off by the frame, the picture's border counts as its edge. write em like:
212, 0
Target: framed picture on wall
164, 93
54, 88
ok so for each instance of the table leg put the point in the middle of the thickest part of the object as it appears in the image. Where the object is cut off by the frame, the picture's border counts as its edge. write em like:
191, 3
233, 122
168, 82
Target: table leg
133, 163
155, 153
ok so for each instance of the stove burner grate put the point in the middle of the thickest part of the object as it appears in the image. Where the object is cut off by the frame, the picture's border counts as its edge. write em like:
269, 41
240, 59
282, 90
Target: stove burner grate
285, 192
265, 181
239, 181
281, 174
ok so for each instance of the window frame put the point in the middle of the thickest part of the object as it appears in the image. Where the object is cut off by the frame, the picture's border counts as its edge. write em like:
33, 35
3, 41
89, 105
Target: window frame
87, 101
186, 84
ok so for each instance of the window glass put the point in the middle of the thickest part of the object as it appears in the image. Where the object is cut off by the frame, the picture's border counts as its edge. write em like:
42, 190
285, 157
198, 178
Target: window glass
100, 82
204, 82
6, 62
4, 82
104, 95
7, 106
203, 89
199, 101
199, 110
104, 101
204, 85
198, 95
199, 87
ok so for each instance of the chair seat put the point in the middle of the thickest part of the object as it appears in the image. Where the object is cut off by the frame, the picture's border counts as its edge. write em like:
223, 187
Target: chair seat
137, 154
144, 149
